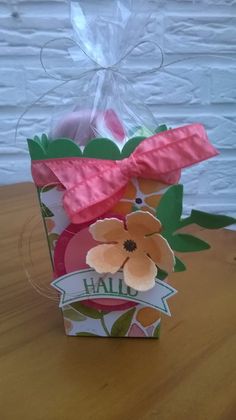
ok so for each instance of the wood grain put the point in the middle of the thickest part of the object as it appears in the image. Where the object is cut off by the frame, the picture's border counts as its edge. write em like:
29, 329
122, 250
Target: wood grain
188, 374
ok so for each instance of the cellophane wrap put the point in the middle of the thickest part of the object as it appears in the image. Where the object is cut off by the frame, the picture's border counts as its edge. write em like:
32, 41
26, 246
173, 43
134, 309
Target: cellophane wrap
106, 53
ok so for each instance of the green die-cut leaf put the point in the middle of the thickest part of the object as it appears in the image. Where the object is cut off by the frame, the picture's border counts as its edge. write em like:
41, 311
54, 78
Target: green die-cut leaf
37, 139
169, 210
85, 310
161, 274
62, 148
161, 128
36, 150
187, 243
85, 334
102, 149
211, 221
179, 265
44, 141
130, 146
122, 324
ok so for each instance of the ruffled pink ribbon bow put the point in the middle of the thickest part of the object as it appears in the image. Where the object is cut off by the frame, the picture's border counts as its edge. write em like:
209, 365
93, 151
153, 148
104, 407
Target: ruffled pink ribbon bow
94, 186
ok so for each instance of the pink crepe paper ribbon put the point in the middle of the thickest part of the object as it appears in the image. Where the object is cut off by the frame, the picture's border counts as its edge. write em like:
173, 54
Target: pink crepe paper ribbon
94, 186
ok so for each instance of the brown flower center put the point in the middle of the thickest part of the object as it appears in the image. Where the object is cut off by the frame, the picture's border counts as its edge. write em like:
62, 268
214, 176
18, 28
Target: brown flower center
129, 245
138, 200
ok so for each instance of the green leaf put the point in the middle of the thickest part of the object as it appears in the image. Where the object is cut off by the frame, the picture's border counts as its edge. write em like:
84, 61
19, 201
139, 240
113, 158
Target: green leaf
161, 274
179, 265
86, 334
37, 139
169, 210
102, 149
122, 324
130, 146
161, 128
46, 212
36, 150
85, 310
156, 332
211, 221
44, 141
73, 315
62, 148
187, 243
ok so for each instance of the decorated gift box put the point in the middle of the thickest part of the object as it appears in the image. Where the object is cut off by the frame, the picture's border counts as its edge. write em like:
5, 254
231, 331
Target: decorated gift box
109, 192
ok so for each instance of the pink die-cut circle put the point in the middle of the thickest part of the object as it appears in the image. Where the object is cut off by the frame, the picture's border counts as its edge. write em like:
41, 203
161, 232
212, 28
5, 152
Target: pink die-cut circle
70, 255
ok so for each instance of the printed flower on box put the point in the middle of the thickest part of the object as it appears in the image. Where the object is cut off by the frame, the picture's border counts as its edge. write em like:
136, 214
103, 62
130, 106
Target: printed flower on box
137, 246
143, 194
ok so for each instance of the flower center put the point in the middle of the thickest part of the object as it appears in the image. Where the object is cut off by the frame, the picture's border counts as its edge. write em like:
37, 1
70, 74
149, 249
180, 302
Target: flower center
138, 200
129, 245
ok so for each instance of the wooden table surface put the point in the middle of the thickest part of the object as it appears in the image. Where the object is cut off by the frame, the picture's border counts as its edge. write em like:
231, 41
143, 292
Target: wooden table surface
188, 374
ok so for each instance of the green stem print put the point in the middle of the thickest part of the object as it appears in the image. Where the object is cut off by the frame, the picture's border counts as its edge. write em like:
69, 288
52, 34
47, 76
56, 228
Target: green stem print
104, 325
91, 313
120, 327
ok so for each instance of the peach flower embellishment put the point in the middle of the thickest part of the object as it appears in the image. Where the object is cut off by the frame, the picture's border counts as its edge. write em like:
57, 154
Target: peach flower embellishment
136, 246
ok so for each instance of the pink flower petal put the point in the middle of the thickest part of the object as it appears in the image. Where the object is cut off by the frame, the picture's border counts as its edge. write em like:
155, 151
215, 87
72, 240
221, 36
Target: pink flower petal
135, 331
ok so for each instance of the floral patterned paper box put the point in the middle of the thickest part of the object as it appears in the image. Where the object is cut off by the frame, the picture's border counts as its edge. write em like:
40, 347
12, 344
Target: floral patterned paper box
112, 220
69, 244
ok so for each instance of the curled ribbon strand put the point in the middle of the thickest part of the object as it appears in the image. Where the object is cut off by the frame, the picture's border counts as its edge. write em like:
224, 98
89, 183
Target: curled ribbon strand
94, 186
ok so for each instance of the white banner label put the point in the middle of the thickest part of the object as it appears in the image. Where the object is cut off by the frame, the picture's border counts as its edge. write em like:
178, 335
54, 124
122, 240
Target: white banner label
84, 284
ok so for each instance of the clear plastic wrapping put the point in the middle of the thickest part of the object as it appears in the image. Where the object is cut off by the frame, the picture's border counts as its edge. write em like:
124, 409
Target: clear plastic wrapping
97, 67
104, 46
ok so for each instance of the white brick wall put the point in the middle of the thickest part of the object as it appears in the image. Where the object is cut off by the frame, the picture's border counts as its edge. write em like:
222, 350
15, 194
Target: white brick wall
201, 90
